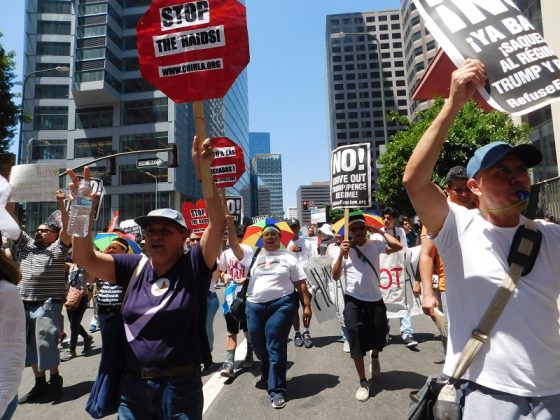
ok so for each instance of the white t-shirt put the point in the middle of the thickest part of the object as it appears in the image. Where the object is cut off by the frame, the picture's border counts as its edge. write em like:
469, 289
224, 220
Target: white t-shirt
521, 356
273, 275
234, 268
361, 281
308, 249
397, 232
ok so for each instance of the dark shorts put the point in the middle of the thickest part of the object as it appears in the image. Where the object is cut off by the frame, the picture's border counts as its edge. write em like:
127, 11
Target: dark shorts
366, 323
233, 326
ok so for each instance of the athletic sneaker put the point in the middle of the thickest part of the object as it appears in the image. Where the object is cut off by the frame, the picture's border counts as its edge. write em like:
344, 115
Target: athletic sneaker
346, 347
279, 401
307, 340
87, 344
248, 361
68, 355
38, 392
362, 394
409, 341
227, 370
298, 341
374, 366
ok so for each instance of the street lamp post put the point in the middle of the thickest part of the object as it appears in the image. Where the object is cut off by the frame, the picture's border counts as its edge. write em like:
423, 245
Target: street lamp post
29, 149
156, 180
339, 35
22, 108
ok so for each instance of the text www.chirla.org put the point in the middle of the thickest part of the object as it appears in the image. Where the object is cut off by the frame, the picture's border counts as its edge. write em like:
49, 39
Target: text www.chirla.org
191, 67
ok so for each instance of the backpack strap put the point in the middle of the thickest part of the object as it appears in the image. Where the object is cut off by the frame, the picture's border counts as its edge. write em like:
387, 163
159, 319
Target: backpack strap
243, 292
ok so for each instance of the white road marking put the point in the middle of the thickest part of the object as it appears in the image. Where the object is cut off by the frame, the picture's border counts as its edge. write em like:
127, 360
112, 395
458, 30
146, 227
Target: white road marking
215, 384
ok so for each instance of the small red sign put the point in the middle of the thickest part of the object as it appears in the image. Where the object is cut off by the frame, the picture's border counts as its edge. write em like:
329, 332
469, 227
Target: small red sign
196, 216
193, 50
228, 164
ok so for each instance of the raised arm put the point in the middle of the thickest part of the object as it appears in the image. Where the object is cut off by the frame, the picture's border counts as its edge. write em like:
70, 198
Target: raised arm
96, 263
427, 198
63, 235
233, 240
211, 241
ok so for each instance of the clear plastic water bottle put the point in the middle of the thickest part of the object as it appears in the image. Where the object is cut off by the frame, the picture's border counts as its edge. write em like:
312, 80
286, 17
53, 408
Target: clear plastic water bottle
79, 211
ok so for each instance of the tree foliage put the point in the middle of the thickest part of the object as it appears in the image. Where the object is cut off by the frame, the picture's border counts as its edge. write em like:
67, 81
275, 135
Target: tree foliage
471, 129
9, 111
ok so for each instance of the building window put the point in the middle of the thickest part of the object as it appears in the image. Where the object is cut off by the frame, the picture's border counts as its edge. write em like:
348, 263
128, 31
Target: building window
92, 31
94, 117
51, 91
136, 3
92, 9
144, 111
93, 147
89, 76
48, 27
53, 48
90, 53
135, 85
49, 149
50, 118
143, 141
130, 21
130, 64
131, 175
58, 7
129, 43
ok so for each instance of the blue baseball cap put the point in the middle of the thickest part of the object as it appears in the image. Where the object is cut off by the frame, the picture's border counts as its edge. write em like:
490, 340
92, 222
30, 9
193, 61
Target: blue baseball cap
490, 154
161, 215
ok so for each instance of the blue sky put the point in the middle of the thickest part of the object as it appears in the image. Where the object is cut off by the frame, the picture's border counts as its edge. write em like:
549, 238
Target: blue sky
287, 94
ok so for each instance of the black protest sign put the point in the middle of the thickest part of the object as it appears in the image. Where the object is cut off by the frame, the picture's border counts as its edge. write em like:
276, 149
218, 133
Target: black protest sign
351, 176
131, 227
235, 208
523, 72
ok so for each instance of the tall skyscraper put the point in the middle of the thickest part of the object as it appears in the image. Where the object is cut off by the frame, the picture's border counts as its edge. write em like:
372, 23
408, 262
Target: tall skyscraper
318, 194
266, 170
366, 77
103, 106
258, 143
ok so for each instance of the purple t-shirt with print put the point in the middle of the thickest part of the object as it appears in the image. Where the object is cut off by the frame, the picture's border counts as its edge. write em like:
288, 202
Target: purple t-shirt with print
165, 316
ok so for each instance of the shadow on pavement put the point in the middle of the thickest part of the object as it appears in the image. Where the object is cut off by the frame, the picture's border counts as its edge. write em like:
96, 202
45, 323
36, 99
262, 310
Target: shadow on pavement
397, 380
325, 341
75, 391
305, 386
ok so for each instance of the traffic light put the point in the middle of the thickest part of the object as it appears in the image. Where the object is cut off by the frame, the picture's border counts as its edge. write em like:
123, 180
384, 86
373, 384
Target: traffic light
306, 205
22, 216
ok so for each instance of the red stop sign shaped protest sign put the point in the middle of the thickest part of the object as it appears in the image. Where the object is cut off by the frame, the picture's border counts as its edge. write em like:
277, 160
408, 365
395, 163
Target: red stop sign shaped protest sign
228, 164
196, 216
193, 50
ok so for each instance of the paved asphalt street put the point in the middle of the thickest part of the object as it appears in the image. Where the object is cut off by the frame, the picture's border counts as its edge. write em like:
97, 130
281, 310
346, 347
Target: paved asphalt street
321, 380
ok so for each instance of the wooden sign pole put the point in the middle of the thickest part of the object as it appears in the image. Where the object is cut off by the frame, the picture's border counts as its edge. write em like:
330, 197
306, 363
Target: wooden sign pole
346, 221
200, 132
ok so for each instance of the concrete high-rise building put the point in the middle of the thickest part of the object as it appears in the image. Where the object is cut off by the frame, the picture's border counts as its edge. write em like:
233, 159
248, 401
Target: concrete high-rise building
292, 212
266, 170
318, 194
545, 122
365, 64
258, 143
103, 106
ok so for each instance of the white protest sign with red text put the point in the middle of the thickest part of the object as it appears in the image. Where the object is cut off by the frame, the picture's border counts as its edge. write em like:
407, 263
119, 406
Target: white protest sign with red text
193, 50
228, 164
196, 216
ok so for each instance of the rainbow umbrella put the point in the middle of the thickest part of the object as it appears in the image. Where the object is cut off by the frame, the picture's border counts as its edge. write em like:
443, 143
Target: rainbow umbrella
102, 241
372, 219
253, 234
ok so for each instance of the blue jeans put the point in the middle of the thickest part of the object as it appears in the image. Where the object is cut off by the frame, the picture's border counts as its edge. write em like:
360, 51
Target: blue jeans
406, 326
174, 397
43, 322
10, 409
269, 324
211, 309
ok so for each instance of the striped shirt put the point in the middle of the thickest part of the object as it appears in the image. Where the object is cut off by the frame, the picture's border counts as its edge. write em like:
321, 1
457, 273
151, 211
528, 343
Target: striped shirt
110, 295
42, 269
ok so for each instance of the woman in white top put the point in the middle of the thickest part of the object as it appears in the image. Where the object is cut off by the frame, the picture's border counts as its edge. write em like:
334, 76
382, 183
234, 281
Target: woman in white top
12, 336
271, 302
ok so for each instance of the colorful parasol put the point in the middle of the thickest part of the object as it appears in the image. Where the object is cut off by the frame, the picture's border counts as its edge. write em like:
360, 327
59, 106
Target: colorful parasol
253, 234
102, 241
372, 219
